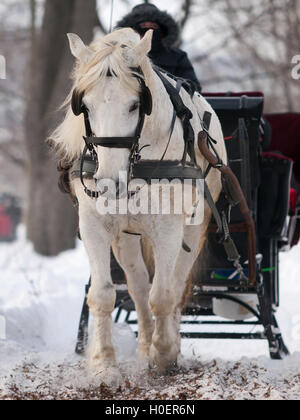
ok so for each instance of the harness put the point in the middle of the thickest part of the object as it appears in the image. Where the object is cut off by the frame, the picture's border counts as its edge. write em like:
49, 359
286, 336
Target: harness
147, 170
162, 169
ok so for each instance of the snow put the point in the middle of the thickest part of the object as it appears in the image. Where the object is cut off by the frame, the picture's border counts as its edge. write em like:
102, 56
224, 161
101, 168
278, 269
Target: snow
41, 300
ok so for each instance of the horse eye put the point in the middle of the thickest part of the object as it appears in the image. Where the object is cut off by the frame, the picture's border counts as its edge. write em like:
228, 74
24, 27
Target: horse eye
134, 107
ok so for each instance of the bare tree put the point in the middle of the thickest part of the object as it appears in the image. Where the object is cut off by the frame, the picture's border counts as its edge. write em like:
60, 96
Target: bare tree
51, 219
14, 47
187, 10
252, 47
276, 24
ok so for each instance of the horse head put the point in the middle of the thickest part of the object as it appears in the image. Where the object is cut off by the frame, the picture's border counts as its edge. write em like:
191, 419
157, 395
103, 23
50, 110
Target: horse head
111, 92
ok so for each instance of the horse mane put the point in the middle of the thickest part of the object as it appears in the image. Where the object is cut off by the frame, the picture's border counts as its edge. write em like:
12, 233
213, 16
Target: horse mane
108, 58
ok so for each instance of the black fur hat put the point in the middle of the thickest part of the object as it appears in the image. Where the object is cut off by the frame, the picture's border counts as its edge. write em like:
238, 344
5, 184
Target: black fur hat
150, 13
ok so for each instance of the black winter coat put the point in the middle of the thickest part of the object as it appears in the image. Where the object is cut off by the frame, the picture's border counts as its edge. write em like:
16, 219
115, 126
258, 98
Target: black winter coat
176, 62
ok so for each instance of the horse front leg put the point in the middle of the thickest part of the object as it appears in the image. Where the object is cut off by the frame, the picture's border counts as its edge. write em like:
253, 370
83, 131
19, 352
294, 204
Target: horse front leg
167, 245
194, 237
101, 299
128, 252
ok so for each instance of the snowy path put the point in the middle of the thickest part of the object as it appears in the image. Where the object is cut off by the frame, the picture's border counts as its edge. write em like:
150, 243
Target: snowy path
41, 300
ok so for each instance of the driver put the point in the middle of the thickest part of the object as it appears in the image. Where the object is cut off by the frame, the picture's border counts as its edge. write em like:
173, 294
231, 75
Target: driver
166, 34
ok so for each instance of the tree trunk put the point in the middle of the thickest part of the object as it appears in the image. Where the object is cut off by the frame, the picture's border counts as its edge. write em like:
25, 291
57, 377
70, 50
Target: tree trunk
51, 218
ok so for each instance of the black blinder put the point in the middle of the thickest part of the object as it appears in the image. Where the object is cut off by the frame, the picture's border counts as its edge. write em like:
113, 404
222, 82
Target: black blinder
146, 100
77, 105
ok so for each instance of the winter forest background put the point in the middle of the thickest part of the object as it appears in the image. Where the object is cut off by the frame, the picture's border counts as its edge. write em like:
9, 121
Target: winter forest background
234, 45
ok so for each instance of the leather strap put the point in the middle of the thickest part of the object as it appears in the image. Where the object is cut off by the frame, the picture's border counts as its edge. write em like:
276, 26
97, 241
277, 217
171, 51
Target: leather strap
185, 115
113, 142
149, 170
178, 88
88, 170
90, 193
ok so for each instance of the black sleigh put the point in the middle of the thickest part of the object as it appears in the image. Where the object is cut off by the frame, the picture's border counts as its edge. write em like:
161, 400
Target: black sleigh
264, 156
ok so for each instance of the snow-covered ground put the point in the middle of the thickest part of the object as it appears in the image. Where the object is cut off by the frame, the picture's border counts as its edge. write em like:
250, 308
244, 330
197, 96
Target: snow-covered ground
41, 298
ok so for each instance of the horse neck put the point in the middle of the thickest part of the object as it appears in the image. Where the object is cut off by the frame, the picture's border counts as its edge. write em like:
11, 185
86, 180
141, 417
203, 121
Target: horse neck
157, 126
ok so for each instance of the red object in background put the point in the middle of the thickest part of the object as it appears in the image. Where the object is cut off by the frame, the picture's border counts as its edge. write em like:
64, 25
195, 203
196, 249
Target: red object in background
286, 137
6, 226
293, 200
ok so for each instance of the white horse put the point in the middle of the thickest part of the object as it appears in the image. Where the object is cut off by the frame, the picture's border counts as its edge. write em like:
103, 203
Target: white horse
113, 104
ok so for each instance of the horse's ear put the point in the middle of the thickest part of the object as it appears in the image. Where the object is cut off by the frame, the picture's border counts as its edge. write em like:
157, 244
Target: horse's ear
145, 44
78, 48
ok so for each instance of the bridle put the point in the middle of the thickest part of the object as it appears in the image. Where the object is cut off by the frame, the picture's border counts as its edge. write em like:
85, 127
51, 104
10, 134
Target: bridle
130, 143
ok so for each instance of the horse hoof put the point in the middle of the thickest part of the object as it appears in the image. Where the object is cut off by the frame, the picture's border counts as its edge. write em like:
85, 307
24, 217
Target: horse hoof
111, 377
163, 362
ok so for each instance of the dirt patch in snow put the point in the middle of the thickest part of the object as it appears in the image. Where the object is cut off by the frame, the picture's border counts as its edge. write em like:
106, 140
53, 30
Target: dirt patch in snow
217, 380
41, 299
